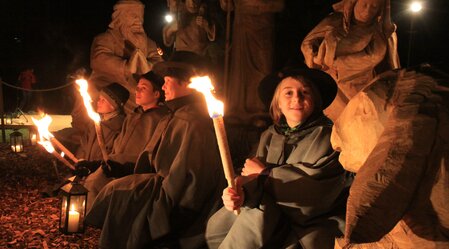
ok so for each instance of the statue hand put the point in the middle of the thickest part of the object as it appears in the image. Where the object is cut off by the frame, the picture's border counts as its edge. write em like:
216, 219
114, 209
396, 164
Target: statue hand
202, 22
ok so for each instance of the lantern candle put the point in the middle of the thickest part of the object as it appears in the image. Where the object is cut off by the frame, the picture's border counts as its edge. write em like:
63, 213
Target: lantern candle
16, 141
17, 148
74, 219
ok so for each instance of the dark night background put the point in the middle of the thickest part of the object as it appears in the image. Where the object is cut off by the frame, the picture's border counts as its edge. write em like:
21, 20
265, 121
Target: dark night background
54, 37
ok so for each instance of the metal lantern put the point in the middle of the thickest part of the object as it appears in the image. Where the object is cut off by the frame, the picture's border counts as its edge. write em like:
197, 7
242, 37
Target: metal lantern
73, 208
16, 141
8, 118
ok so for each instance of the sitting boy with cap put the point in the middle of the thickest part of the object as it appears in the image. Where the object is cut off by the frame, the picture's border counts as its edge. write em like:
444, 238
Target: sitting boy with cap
136, 133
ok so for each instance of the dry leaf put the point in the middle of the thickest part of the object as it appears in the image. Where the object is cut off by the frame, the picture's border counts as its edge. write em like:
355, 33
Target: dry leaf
39, 231
12, 242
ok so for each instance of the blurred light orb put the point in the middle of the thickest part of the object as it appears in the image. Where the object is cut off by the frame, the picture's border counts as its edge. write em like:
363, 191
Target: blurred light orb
416, 7
168, 18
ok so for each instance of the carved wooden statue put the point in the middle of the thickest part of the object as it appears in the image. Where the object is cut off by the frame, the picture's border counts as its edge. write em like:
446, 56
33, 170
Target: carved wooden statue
251, 53
191, 29
353, 44
121, 53
395, 135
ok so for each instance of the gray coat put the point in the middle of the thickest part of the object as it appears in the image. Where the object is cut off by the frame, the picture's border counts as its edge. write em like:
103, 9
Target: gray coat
299, 197
137, 130
177, 188
89, 148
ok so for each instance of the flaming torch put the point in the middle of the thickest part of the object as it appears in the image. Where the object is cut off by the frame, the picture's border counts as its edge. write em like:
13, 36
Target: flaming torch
42, 127
215, 108
82, 83
45, 137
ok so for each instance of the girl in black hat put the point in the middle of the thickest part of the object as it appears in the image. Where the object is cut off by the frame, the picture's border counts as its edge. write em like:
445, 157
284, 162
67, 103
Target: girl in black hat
294, 191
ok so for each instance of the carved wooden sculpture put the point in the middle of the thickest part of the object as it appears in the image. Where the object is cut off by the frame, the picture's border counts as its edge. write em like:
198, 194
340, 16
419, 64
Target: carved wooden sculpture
353, 44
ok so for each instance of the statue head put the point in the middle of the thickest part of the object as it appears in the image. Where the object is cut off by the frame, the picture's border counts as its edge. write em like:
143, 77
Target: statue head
128, 14
366, 11
360, 11
394, 97
358, 128
193, 6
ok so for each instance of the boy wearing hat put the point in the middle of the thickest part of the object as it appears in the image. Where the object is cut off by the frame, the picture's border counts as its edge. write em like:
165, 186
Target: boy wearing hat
293, 193
135, 134
179, 177
110, 107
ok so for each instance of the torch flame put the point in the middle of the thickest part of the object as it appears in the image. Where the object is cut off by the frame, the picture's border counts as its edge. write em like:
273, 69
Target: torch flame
82, 83
47, 145
42, 127
204, 85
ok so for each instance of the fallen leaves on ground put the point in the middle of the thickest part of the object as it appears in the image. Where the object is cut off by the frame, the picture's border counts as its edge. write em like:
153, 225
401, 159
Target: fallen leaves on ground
27, 218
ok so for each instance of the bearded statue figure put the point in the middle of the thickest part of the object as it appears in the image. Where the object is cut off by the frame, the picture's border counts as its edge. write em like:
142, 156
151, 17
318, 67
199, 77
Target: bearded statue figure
121, 54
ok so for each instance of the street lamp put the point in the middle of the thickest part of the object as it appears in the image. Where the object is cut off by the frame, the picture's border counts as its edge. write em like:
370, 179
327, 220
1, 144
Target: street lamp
415, 7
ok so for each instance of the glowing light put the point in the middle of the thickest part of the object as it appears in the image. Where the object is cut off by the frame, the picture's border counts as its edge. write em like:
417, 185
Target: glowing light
168, 18
416, 7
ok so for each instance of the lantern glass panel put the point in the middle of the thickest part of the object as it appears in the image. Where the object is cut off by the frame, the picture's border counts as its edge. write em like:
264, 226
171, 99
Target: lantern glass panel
64, 205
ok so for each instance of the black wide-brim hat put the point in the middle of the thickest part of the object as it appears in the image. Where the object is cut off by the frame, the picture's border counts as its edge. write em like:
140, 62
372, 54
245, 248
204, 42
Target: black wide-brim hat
324, 83
182, 64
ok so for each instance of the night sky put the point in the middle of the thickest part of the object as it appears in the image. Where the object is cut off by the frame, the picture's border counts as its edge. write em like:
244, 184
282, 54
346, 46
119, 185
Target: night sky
54, 36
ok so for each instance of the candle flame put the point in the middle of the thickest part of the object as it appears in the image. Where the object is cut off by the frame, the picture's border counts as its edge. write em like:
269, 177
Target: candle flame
204, 85
82, 83
72, 207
